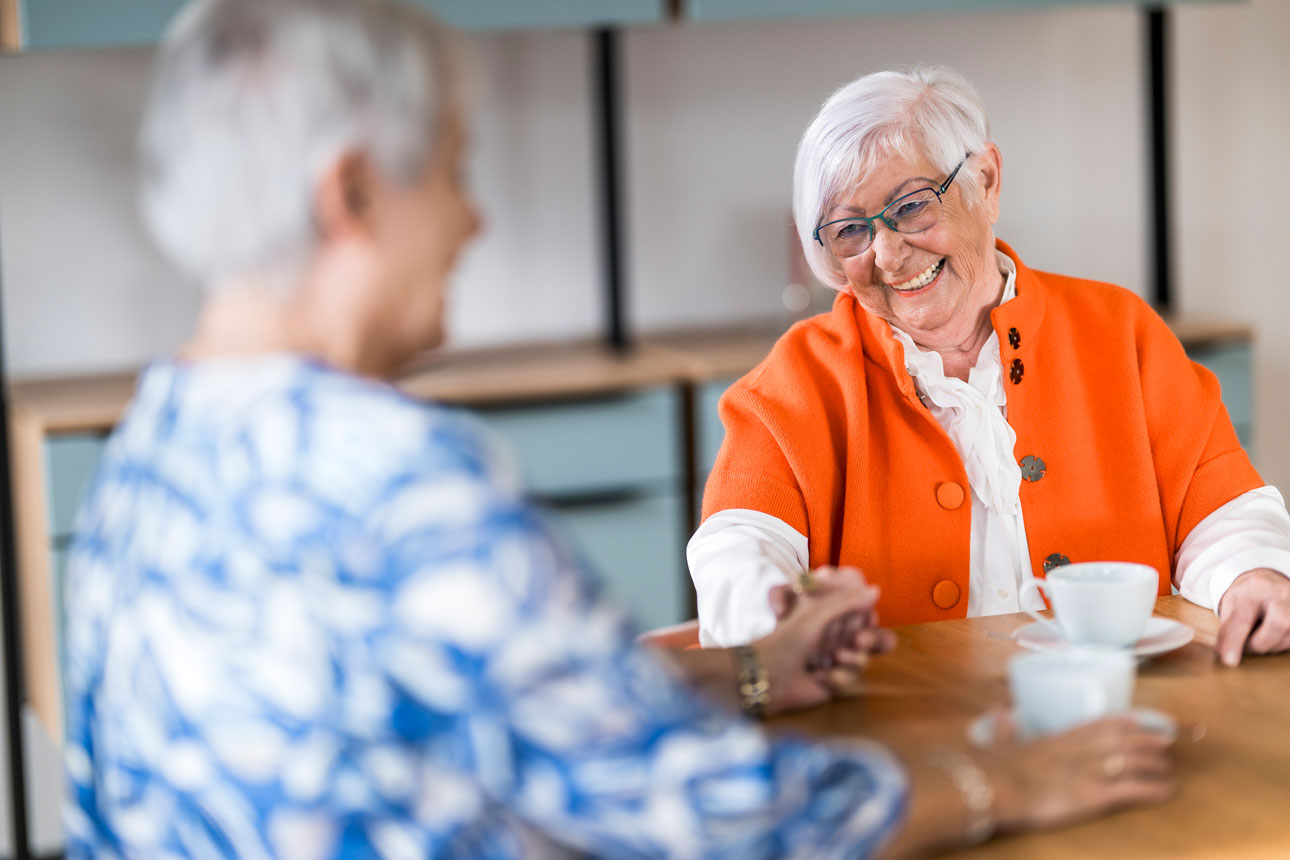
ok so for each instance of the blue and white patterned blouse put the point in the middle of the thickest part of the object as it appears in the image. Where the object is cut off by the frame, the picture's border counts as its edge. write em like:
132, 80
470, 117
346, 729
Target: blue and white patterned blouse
311, 618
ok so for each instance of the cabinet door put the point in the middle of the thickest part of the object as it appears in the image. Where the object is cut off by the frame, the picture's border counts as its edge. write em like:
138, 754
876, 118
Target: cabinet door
743, 10
635, 547
106, 23
606, 444
70, 463
1232, 363
549, 14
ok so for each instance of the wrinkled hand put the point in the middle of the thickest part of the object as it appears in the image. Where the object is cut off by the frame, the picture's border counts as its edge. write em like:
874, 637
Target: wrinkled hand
824, 639
1254, 616
1084, 772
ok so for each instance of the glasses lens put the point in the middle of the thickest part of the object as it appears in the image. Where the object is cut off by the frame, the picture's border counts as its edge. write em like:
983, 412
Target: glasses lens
913, 213
847, 238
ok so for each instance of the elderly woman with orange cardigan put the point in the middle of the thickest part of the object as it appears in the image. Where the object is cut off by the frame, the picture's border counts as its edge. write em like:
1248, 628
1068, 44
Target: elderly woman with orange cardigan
960, 423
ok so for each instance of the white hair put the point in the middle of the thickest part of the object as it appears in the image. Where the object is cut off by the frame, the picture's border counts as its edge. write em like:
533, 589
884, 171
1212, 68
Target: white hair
253, 101
930, 112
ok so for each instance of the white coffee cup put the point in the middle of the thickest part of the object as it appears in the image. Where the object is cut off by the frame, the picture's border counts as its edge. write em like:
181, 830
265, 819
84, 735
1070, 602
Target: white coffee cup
1103, 604
1056, 690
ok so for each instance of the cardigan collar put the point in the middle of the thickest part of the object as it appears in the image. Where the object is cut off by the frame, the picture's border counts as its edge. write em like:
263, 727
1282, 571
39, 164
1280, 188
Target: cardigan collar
1024, 313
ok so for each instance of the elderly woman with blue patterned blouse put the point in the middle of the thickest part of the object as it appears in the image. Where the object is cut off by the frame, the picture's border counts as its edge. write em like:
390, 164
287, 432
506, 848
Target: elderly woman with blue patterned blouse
309, 617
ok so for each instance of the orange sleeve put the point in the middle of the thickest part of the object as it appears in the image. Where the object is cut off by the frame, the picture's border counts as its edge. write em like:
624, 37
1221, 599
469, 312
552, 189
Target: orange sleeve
1200, 464
753, 470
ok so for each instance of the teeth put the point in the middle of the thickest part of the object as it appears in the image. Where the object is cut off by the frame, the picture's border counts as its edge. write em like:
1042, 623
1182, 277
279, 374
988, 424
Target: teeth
921, 280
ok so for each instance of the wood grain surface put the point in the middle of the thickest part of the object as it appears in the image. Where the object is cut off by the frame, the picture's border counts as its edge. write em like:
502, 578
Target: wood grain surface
1232, 756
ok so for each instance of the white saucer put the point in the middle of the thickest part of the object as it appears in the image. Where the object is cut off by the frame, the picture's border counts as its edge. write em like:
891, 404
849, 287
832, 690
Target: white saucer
1160, 635
981, 731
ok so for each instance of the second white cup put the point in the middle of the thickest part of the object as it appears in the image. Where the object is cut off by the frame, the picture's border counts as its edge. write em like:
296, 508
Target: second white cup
1057, 690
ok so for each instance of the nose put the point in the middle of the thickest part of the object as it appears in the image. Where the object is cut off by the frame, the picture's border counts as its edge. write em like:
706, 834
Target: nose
889, 249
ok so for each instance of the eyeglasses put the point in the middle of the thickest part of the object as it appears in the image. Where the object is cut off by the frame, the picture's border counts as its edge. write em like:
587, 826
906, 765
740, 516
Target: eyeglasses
911, 213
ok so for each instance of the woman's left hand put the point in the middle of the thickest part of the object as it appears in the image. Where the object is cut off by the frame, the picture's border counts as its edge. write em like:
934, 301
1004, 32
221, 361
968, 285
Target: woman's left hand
1254, 616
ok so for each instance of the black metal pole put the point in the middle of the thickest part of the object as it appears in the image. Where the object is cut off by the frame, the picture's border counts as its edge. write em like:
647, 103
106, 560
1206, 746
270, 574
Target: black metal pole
13, 682
607, 117
1157, 26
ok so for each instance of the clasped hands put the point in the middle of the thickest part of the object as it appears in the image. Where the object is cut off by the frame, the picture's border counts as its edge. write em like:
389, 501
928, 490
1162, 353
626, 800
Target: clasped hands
827, 629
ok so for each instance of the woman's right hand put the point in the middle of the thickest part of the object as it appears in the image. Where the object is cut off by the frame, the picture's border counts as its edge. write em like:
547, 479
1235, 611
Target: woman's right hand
1088, 771
1079, 774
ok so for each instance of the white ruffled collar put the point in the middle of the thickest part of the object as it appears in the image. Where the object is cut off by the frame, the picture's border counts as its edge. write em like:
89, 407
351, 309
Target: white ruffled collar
973, 413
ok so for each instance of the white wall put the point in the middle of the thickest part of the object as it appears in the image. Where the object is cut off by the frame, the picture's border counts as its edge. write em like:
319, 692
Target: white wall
83, 289
1233, 192
716, 112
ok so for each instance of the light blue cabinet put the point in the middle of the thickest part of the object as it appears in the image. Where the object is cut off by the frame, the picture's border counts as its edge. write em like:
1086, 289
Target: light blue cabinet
69, 462
109, 23
607, 470
635, 546
1232, 363
593, 446
747, 10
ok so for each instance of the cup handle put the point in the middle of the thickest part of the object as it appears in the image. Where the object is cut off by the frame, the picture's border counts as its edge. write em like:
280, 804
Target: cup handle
1038, 585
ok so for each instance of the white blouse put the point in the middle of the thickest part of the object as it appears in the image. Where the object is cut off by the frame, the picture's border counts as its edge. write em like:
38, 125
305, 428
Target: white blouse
738, 555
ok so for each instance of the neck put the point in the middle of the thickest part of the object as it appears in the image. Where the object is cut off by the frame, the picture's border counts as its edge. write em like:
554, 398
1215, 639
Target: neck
959, 354
244, 319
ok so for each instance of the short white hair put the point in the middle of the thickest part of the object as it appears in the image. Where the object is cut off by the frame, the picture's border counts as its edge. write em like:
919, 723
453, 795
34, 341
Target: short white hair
253, 101
931, 112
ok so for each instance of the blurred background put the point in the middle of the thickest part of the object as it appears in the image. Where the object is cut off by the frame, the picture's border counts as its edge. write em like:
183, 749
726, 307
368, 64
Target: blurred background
711, 112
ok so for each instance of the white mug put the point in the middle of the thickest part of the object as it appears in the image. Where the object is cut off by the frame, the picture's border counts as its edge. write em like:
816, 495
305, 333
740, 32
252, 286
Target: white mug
1103, 604
1056, 690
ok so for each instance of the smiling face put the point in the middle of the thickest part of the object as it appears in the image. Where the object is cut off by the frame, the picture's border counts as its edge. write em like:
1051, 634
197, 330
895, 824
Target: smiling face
937, 285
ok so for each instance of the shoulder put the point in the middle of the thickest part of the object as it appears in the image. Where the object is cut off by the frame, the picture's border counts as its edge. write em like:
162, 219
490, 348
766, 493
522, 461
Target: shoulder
1102, 313
1086, 295
808, 362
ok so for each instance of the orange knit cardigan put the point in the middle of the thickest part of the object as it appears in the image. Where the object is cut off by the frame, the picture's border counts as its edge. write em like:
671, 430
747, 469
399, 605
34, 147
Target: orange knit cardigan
828, 435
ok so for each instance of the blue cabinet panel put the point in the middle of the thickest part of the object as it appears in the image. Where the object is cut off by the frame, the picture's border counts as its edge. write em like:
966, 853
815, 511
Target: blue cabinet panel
94, 23
107, 23
545, 14
1233, 365
709, 432
744, 10
70, 462
635, 547
590, 446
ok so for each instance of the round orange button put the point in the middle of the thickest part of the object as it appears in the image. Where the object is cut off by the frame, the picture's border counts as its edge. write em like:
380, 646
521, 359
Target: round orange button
946, 593
949, 495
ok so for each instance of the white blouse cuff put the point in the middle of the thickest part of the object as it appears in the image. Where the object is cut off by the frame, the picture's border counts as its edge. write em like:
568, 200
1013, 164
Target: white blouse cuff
1250, 531
736, 557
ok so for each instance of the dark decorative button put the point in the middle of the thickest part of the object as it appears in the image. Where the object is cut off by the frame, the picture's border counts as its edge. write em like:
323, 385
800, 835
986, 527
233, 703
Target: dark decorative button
1014, 338
1017, 370
1032, 468
1055, 560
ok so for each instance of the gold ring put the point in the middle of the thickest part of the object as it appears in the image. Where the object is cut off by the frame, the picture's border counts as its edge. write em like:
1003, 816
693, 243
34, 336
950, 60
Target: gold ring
1113, 766
805, 583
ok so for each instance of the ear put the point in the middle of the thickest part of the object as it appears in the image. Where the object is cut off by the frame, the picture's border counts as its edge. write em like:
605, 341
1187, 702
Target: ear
989, 177
343, 198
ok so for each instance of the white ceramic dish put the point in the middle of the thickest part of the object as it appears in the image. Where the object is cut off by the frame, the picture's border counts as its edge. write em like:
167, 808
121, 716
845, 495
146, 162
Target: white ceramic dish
1160, 636
981, 731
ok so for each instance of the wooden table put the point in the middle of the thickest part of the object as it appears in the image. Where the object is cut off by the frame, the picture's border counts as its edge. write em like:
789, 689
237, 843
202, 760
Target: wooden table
1233, 753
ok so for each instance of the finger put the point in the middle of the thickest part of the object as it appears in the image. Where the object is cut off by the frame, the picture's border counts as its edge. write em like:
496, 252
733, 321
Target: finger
782, 600
843, 682
1271, 632
1136, 791
1235, 629
851, 657
886, 640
